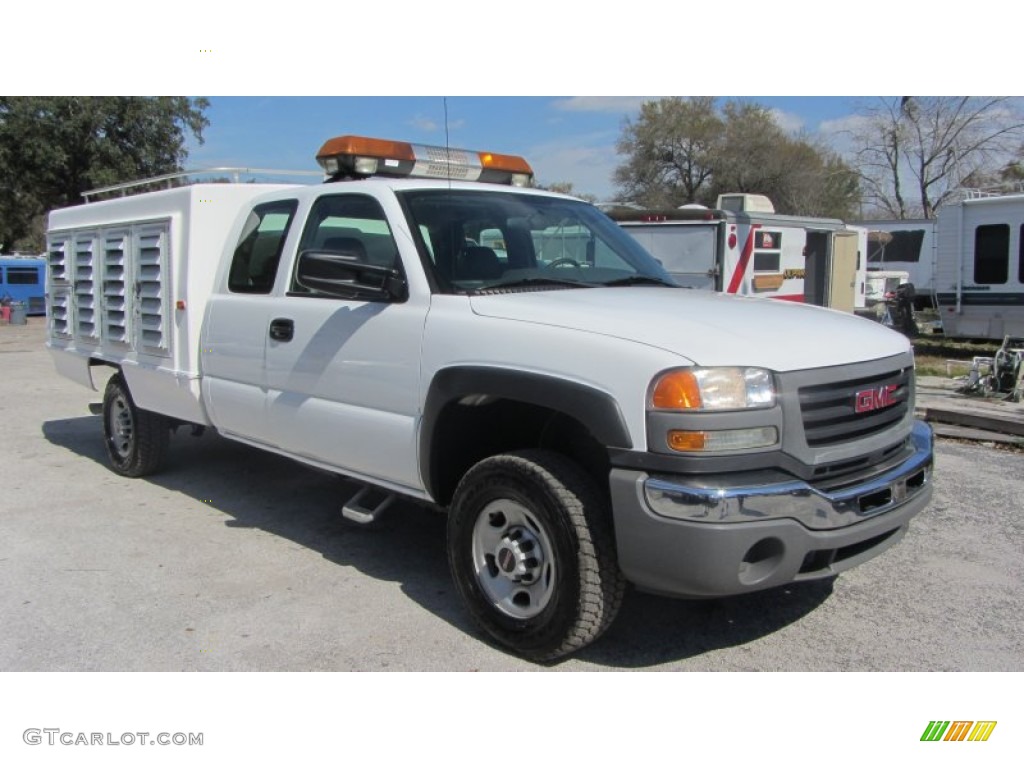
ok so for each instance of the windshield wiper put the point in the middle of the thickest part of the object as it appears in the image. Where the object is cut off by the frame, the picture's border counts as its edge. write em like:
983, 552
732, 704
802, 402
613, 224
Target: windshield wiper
638, 280
529, 282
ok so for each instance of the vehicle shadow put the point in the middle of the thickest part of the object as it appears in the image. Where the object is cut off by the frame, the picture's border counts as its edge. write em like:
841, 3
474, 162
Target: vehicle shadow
652, 630
258, 489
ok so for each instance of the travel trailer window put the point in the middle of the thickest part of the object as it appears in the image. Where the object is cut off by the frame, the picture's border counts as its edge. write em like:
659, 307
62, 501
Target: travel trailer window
992, 254
768, 253
904, 246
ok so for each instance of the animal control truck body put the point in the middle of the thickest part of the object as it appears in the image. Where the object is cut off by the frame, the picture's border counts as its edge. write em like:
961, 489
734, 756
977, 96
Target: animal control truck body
585, 422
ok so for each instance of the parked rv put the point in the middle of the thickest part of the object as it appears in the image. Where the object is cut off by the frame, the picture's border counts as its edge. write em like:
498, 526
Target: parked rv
979, 266
743, 247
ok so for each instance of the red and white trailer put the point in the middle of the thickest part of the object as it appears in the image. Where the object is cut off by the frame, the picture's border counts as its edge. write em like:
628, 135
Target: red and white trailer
743, 247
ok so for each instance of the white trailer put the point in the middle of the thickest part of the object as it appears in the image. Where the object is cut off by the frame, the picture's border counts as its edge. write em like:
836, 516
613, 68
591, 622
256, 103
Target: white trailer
979, 266
743, 247
904, 245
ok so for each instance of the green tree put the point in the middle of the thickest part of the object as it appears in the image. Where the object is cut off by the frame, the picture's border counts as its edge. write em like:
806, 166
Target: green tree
54, 148
749, 157
1012, 172
688, 151
669, 151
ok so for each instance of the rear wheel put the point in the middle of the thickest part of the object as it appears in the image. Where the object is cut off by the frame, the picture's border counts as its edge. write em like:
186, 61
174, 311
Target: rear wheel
136, 440
532, 553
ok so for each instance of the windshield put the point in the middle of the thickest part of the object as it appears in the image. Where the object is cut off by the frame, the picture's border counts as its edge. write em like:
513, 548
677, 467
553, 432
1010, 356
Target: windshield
482, 241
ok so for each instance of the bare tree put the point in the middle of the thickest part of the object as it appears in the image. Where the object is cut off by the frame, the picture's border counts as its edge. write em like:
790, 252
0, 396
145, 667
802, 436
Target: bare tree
915, 152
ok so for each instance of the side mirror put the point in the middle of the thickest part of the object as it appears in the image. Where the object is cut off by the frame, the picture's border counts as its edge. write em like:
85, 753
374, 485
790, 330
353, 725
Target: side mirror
345, 276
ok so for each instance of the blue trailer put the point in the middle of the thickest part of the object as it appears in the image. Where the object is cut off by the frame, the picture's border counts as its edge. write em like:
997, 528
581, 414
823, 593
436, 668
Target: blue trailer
24, 279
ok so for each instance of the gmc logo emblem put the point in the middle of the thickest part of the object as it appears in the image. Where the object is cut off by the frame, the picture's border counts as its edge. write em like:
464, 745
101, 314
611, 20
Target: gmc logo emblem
873, 399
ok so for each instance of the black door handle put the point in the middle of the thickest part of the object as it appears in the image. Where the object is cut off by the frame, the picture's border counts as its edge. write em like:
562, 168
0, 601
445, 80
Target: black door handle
282, 329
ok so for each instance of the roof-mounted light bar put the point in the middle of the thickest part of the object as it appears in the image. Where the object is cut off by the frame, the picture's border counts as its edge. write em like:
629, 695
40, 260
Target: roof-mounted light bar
360, 156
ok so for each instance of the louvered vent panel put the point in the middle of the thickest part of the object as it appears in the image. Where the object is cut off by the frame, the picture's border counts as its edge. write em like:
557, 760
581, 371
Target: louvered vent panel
57, 257
85, 275
151, 288
115, 286
60, 312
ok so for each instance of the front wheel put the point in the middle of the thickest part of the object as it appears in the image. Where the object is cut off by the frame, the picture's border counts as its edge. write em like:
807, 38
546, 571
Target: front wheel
136, 439
532, 553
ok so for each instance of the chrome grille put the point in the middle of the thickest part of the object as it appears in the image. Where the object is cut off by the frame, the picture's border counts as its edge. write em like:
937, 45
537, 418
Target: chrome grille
829, 410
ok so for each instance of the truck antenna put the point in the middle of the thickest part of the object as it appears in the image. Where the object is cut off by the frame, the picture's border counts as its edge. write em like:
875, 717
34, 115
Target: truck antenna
447, 144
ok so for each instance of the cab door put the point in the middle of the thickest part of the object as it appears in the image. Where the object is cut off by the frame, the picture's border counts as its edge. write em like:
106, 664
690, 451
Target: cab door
342, 375
233, 349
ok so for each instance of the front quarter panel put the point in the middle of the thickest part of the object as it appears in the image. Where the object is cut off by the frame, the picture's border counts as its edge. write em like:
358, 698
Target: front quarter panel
618, 368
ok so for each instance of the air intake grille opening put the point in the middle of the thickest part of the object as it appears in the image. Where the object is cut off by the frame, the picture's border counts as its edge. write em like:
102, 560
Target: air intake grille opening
856, 408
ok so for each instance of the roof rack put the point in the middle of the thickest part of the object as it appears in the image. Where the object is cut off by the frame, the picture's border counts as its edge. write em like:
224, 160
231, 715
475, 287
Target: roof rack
170, 178
976, 193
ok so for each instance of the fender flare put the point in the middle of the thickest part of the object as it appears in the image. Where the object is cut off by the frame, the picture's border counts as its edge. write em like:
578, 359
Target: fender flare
596, 410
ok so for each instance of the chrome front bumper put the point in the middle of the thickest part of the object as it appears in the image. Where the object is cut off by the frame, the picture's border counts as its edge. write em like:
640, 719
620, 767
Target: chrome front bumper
703, 537
713, 502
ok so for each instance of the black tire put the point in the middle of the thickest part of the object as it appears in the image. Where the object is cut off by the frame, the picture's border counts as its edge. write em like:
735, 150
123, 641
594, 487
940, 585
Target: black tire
532, 553
136, 440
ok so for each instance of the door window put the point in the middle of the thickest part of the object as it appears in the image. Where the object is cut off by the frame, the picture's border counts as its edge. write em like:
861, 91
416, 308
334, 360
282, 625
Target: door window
351, 225
254, 265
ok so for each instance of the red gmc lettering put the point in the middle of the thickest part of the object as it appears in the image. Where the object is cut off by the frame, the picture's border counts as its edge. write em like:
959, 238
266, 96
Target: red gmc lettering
873, 399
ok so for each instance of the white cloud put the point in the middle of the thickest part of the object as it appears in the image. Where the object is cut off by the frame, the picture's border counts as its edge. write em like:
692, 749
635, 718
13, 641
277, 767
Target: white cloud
429, 125
838, 133
846, 124
787, 121
423, 123
588, 162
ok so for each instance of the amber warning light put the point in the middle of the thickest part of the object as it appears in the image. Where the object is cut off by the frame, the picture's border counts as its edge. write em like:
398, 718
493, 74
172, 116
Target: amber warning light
359, 156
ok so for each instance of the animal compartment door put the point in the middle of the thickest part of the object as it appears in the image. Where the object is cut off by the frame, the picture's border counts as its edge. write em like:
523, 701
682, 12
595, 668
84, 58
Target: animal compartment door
151, 273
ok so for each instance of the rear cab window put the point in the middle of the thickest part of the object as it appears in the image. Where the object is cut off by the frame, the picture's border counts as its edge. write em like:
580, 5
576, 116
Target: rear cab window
258, 253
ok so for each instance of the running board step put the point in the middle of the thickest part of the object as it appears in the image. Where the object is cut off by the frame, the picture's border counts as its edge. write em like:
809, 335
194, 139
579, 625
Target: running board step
367, 505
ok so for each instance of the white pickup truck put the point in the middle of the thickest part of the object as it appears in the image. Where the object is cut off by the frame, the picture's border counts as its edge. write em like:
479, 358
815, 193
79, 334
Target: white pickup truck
431, 326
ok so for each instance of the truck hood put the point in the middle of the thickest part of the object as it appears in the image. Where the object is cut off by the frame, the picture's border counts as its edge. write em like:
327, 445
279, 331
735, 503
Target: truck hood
705, 328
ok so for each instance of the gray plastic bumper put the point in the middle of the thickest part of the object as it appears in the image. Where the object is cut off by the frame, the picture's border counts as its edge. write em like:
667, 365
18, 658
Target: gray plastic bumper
678, 538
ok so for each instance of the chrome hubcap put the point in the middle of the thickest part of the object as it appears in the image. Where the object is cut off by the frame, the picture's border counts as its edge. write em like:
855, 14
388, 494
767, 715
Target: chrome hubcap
513, 559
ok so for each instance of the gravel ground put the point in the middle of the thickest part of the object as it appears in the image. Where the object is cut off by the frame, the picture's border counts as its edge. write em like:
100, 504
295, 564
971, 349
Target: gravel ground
234, 559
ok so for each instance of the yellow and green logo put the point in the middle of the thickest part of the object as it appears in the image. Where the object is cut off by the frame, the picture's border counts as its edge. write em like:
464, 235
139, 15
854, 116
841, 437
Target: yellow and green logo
958, 730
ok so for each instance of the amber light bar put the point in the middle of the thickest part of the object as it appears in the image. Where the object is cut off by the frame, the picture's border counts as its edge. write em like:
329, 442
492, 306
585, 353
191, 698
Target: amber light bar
359, 156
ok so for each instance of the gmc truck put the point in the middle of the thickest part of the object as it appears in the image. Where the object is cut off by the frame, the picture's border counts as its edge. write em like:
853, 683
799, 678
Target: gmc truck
428, 324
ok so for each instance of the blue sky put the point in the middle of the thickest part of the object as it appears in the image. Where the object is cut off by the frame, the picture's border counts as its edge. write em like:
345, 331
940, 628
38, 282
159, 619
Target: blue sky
564, 138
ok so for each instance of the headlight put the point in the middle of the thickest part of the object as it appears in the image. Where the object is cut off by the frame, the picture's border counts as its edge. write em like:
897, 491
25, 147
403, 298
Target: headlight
713, 389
